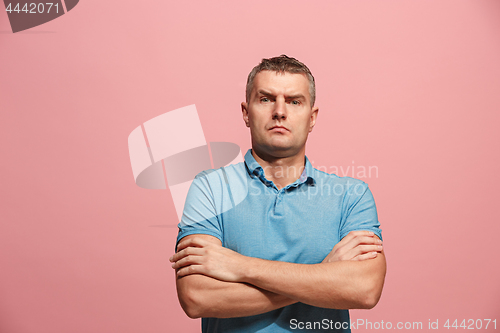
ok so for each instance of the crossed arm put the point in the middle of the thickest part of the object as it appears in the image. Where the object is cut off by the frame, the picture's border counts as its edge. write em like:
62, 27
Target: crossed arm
213, 281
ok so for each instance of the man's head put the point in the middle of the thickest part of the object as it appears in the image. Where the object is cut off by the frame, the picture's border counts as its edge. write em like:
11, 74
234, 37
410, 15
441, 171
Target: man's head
282, 64
279, 109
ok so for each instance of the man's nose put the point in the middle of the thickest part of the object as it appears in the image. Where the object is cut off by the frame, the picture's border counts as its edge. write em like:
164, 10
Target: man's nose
279, 111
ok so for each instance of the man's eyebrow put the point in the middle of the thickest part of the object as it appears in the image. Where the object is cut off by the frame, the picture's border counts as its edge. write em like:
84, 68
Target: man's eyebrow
264, 92
268, 93
298, 96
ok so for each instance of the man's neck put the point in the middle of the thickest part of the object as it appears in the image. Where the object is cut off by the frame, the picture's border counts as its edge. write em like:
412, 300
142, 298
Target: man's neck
282, 171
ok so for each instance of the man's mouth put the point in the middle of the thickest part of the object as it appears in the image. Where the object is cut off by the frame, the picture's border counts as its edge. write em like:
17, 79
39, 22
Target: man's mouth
279, 128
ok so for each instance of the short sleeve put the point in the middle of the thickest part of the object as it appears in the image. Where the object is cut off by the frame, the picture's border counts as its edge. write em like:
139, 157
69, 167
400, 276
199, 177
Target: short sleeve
361, 212
200, 211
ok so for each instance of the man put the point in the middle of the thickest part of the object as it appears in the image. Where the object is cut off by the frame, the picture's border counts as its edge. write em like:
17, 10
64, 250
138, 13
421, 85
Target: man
272, 244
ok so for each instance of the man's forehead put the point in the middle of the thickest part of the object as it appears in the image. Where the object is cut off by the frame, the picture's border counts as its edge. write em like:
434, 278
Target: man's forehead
272, 81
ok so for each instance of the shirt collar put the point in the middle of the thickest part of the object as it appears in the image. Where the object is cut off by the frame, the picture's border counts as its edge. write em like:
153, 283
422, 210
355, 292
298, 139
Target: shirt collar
254, 169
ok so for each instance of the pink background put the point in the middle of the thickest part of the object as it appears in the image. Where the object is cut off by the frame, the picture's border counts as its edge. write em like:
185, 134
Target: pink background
411, 87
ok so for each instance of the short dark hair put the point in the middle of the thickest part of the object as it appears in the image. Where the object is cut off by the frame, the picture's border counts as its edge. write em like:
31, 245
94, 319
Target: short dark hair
282, 64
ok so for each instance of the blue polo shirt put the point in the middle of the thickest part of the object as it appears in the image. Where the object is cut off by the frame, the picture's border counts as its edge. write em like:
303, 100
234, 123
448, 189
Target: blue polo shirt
300, 223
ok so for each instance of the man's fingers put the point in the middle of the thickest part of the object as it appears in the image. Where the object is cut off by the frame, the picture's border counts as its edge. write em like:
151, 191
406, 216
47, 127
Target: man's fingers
362, 240
347, 245
188, 270
192, 242
188, 260
366, 240
352, 253
352, 236
359, 233
356, 245
186, 252
359, 237
366, 256
362, 249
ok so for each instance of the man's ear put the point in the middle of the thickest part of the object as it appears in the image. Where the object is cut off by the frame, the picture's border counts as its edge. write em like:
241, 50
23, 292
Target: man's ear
314, 115
244, 110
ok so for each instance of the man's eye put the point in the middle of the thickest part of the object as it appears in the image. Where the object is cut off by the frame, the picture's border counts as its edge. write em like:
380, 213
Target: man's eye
295, 102
264, 99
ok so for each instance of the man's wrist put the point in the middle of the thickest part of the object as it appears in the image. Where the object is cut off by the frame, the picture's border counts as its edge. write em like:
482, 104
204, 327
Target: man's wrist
250, 269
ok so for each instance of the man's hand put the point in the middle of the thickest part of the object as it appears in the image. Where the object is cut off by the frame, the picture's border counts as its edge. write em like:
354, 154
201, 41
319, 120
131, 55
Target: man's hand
357, 245
203, 296
199, 256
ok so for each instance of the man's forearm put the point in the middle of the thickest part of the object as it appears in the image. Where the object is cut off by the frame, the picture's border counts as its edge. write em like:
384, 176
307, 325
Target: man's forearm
339, 285
212, 280
203, 296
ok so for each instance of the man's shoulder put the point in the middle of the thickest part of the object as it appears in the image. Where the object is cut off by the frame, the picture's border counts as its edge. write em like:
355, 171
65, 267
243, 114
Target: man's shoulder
218, 180
219, 189
220, 174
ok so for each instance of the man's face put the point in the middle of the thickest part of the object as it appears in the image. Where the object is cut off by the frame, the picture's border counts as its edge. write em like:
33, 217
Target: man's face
279, 113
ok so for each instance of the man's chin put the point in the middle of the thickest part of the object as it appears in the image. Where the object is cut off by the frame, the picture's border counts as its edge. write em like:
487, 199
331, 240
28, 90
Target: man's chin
281, 151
